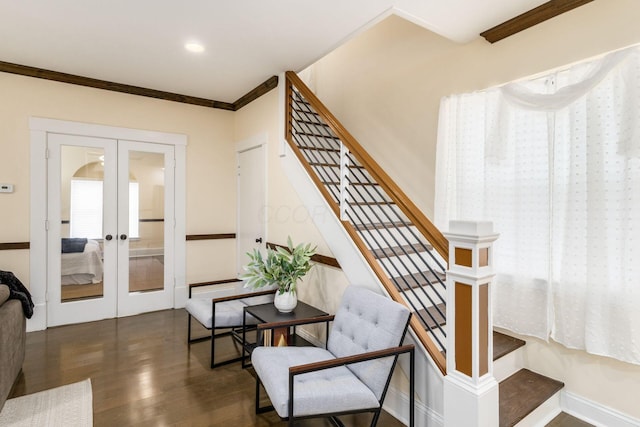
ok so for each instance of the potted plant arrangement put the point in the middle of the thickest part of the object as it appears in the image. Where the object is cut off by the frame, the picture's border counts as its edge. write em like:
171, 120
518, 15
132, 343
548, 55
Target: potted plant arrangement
282, 268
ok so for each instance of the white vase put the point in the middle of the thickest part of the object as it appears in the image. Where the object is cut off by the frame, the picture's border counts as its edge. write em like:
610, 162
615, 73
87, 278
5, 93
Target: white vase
285, 302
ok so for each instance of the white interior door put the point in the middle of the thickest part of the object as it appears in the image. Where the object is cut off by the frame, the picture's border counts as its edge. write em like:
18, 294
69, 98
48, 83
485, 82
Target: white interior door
145, 227
251, 201
81, 245
111, 225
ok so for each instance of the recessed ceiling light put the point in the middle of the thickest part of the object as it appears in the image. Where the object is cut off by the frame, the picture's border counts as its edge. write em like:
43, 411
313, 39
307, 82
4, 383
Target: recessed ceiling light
194, 47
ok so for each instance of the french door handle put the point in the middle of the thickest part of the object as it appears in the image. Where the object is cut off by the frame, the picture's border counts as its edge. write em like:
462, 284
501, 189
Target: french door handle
123, 237
259, 240
108, 237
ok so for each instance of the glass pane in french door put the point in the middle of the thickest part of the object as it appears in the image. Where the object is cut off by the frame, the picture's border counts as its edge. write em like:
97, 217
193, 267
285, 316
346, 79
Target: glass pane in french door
81, 229
146, 221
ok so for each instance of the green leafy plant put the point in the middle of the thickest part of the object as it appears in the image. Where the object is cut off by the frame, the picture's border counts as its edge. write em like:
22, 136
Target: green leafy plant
281, 267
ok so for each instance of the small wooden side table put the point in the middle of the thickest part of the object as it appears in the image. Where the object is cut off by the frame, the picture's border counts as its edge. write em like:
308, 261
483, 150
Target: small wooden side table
282, 329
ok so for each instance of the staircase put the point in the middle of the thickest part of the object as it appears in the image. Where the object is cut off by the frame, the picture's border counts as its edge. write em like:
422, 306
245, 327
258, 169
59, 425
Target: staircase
407, 253
402, 247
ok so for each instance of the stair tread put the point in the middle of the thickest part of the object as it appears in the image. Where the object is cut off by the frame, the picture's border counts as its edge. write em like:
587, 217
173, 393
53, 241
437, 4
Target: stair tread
504, 344
297, 96
374, 203
565, 420
364, 183
358, 203
310, 123
324, 165
436, 318
356, 166
333, 150
336, 165
381, 225
303, 111
417, 280
522, 393
397, 251
316, 135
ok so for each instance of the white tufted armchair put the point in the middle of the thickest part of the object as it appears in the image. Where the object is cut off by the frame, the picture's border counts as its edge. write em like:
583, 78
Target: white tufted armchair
351, 375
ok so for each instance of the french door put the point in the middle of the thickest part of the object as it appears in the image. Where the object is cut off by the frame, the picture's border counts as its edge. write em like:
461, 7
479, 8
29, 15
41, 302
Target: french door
110, 218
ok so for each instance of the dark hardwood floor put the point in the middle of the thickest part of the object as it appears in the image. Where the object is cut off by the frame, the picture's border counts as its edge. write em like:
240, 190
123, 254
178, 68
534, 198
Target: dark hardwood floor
566, 420
143, 373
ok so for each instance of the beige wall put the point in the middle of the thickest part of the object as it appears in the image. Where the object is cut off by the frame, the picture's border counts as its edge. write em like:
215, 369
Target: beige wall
210, 162
386, 85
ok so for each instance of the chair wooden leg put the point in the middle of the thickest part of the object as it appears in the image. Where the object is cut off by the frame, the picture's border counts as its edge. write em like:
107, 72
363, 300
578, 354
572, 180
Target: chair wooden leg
189, 329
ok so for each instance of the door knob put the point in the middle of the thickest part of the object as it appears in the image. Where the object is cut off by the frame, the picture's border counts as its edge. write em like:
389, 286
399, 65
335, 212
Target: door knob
259, 240
108, 237
123, 237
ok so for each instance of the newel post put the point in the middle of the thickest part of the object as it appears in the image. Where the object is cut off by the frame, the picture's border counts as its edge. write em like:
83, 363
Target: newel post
470, 389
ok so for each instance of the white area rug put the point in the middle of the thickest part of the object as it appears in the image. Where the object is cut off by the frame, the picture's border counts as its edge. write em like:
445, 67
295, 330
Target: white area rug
69, 406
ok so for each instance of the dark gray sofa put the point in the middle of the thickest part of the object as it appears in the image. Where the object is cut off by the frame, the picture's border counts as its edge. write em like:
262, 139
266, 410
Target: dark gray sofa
12, 341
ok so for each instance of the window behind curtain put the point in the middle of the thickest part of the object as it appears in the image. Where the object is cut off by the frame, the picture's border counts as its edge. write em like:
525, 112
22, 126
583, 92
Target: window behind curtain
555, 164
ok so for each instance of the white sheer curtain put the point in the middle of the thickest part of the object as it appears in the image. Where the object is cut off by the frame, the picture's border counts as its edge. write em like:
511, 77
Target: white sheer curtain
555, 164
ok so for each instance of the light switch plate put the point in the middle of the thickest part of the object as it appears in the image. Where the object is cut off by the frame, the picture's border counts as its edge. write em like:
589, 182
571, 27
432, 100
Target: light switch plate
6, 188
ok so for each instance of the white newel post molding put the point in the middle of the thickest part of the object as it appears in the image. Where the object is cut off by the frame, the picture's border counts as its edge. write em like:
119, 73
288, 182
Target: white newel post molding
470, 390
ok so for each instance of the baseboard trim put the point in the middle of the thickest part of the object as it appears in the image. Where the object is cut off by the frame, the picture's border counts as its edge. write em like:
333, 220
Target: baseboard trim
309, 337
594, 412
396, 403
180, 296
38, 321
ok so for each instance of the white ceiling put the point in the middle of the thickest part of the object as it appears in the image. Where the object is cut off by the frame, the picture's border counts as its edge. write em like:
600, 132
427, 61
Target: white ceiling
140, 42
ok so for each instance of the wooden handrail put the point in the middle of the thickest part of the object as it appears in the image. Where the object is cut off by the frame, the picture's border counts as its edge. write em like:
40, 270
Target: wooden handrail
426, 227
418, 219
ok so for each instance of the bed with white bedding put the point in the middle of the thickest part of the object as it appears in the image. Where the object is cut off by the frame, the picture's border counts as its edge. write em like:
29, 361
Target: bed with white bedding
80, 268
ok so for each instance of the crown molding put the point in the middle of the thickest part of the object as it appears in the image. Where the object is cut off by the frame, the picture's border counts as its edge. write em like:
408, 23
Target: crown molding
257, 92
40, 73
533, 17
